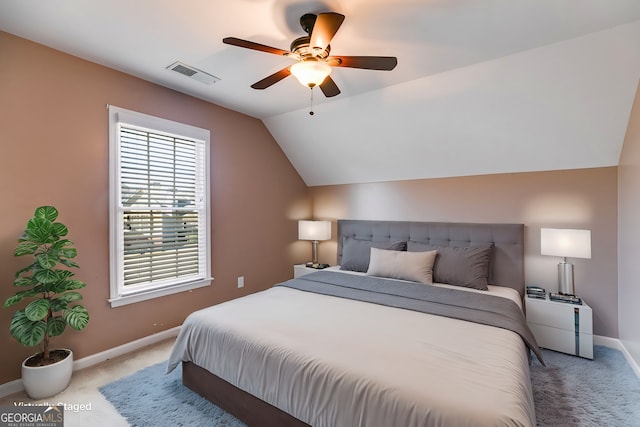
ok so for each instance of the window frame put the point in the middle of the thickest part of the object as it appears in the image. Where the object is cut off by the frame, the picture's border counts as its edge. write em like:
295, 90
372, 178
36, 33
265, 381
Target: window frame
118, 294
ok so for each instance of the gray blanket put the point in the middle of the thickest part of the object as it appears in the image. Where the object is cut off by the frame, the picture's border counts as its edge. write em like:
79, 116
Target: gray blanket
457, 304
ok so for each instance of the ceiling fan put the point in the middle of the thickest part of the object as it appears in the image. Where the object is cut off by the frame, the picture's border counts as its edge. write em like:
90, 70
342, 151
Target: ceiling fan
311, 52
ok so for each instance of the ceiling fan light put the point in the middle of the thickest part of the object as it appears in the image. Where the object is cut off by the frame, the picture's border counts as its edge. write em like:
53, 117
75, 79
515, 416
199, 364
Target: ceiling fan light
311, 73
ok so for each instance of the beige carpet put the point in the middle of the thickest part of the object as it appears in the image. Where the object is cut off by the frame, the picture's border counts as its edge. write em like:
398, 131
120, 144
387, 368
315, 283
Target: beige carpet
83, 389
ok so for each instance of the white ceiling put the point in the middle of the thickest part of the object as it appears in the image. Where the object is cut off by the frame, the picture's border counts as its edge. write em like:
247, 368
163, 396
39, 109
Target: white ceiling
481, 87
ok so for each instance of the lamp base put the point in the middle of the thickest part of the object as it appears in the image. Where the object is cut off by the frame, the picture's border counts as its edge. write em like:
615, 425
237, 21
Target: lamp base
565, 279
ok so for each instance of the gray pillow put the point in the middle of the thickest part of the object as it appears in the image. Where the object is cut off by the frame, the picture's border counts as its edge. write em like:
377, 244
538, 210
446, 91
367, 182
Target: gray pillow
356, 253
466, 266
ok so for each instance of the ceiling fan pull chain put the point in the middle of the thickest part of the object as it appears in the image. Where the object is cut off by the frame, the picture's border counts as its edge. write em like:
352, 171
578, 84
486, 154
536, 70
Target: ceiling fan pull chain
311, 107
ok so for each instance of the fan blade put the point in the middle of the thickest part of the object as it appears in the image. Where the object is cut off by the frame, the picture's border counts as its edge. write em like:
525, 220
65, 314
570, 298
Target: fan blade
272, 79
255, 46
384, 63
329, 87
324, 29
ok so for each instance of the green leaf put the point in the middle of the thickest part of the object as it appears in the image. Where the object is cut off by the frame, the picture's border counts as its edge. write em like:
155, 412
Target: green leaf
70, 297
75, 284
47, 212
47, 261
40, 231
37, 310
25, 281
40, 289
27, 332
46, 276
68, 285
61, 244
58, 304
77, 317
25, 269
64, 274
26, 248
60, 229
69, 263
56, 326
19, 296
69, 252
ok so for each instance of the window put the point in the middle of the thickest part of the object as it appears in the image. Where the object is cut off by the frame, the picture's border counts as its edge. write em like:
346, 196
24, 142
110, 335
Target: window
159, 207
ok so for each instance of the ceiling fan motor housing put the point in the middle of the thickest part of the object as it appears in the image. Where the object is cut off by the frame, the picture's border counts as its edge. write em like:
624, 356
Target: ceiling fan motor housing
303, 49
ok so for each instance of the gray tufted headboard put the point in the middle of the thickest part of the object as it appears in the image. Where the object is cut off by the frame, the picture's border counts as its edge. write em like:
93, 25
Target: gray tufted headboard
507, 263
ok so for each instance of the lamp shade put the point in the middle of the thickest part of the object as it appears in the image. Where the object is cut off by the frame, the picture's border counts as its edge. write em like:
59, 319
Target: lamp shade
310, 73
565, 242
314, 230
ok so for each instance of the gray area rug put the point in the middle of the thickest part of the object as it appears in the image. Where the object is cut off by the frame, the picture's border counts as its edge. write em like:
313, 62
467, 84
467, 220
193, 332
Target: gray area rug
570, 391
150, 397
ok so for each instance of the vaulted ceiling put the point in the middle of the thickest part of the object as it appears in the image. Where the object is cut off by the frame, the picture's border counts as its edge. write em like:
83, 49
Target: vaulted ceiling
481, 87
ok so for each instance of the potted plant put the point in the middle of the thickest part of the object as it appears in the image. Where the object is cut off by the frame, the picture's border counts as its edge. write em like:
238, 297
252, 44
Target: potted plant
49, 286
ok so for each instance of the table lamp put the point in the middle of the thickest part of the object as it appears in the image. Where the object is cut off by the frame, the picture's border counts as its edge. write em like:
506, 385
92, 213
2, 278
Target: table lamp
566, 243
314, 231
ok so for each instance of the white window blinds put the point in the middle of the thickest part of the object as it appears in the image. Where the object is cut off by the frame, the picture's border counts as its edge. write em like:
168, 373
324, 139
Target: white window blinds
161, 210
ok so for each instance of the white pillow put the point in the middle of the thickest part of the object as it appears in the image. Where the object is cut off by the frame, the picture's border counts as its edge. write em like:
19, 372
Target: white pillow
413, 266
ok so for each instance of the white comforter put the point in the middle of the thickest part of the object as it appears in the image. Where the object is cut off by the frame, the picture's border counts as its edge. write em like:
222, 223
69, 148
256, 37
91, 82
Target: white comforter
333, 362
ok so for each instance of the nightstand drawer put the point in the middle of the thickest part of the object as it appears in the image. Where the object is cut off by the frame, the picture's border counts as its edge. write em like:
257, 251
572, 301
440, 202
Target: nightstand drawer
560, 316
563, 340
300, 270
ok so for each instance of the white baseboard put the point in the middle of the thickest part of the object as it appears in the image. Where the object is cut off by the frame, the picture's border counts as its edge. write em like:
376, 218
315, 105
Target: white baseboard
16, 386
120, 350
618, 345
607, 342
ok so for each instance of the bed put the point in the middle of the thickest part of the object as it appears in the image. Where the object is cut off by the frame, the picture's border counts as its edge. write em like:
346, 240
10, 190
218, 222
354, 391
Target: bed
375, 344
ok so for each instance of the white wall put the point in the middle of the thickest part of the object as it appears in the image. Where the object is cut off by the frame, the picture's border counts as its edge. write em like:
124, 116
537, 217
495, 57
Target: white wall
561, 106
629, 236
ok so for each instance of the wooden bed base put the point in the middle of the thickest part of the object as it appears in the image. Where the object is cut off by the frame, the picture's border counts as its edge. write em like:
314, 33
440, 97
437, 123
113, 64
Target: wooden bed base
242, 405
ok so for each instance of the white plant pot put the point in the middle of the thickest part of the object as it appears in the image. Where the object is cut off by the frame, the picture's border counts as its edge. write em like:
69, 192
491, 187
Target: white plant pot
41, 382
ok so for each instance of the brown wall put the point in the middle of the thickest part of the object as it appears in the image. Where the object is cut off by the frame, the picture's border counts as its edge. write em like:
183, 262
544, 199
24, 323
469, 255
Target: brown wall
54, 150
629, 235
585, 198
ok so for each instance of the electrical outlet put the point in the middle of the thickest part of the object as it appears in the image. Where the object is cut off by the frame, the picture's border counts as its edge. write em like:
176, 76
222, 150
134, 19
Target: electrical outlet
241, 281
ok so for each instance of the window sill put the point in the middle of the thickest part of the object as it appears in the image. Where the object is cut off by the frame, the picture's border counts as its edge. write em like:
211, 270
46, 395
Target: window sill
156, 293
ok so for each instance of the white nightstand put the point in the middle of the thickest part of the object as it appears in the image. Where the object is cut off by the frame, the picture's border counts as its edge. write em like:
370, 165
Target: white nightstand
561, 326
301, 270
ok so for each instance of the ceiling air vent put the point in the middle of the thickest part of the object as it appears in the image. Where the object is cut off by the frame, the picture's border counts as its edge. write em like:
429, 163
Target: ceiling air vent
193, 73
